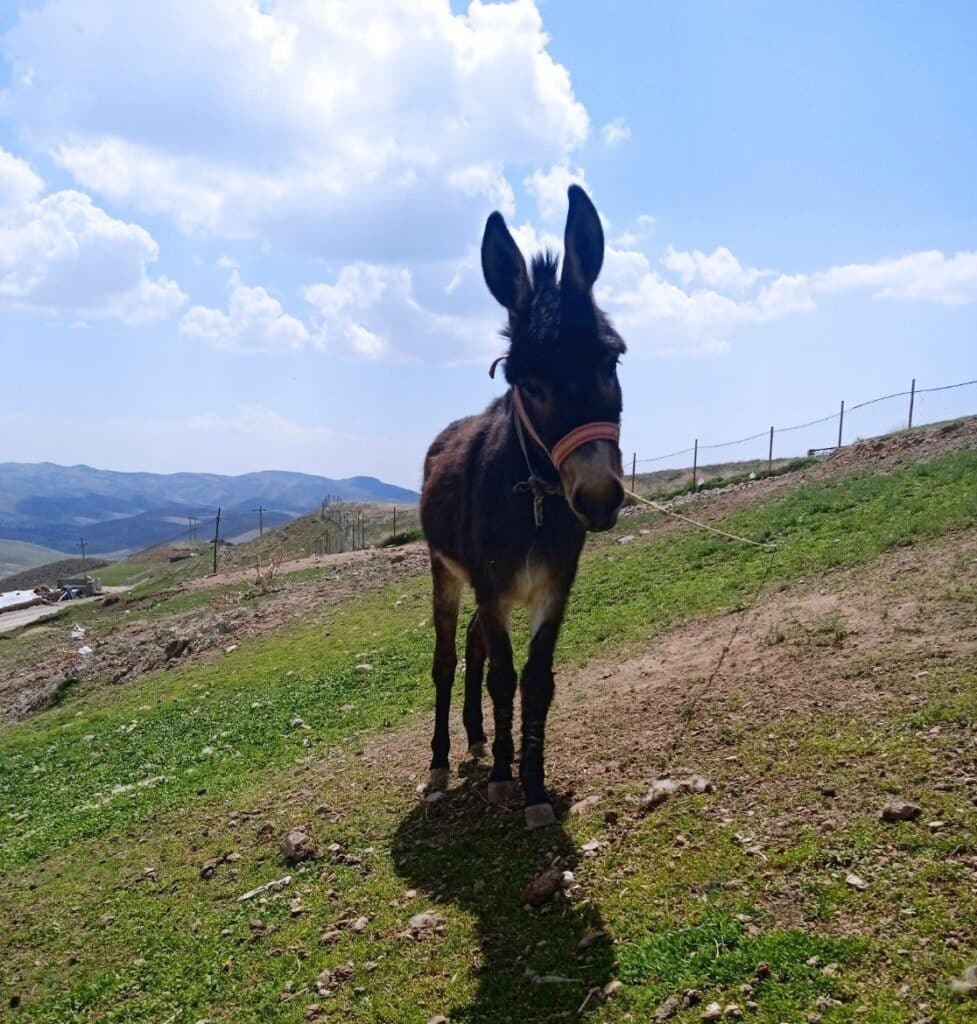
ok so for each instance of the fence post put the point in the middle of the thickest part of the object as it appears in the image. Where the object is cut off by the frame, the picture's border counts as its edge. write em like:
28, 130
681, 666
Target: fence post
770, 453
634, 469
695, 465
841, 421
395, 521
912, 399
217, 533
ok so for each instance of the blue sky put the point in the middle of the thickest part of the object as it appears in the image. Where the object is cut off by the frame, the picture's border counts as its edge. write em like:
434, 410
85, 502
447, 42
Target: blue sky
244, 236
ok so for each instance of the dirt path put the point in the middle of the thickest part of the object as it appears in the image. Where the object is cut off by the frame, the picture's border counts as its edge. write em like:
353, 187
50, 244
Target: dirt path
807, 650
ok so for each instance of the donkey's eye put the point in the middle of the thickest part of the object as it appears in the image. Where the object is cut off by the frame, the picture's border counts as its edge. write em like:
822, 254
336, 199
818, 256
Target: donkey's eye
608, 371
533, 391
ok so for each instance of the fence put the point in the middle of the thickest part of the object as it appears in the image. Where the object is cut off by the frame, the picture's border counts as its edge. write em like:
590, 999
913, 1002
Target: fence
760, 446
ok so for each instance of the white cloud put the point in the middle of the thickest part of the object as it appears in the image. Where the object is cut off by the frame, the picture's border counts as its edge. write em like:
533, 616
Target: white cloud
615, 132
62, 254
926, 276
549, 188
254, 322
372, 311
720, 269
242, 440
357, 130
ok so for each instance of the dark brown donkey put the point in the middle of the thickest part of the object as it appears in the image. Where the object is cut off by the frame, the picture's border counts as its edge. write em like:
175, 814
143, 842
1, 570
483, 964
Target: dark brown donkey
509, 495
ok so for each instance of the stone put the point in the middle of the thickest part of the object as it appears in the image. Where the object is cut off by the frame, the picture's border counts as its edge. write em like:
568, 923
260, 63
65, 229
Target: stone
298, 846
900, 810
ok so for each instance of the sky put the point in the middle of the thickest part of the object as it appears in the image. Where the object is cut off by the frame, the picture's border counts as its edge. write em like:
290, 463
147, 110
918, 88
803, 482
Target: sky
244, 235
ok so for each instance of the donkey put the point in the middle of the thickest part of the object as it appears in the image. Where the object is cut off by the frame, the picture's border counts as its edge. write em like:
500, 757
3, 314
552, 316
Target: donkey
509, 495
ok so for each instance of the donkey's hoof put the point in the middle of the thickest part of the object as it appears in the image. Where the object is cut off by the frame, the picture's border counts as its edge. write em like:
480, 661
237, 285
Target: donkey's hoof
540, 815
478, 751
437, 781
502, 792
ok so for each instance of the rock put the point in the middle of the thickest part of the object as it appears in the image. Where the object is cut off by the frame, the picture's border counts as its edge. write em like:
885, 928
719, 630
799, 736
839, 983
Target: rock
363, 669
856, 882
208, 868
966, 984
667, 1010
611, 987
423, 923
298, 846
626, 539
591, 937
543, 887
712, 1012
733, 1012
109, 600
440, 1018
359, 924
230, 648
900, 810
582, 806
175, 648
661, 790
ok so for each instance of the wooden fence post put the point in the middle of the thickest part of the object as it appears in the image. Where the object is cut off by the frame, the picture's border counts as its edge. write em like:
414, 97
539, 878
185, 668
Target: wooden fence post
695, 466
770, 453
217, 532
912, 399
634, 470
841, 421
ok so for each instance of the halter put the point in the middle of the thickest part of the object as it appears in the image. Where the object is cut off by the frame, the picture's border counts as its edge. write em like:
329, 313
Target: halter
596, 430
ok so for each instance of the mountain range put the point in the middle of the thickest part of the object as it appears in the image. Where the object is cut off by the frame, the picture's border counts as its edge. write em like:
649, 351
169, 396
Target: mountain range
54, 506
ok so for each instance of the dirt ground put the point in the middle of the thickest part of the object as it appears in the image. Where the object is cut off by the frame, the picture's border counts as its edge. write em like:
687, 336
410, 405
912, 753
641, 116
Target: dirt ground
806, 650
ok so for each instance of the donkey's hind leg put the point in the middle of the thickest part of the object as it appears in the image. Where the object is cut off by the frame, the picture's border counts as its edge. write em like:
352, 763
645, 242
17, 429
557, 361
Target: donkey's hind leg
476, 652
447, 596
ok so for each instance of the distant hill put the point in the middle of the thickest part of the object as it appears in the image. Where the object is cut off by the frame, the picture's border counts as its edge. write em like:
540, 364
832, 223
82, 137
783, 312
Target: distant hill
16, 555
50, 505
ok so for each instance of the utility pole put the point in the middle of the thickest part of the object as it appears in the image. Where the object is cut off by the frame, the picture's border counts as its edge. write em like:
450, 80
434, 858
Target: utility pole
191, 527
217, 532
261, 510
81, 545
841, 421
395, 520
770, 453
912, 402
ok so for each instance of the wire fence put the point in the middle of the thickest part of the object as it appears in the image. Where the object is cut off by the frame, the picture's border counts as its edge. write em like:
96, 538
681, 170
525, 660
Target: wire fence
921, 405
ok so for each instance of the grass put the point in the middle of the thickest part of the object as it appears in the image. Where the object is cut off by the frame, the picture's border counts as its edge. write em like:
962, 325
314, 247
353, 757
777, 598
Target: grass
187, 764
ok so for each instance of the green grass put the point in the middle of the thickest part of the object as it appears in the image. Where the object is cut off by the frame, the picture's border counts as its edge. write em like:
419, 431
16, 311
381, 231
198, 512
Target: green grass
186, 764
122, 573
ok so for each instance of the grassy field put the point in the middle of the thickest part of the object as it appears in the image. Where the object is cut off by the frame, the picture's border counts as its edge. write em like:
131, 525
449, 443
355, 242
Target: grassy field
115, 799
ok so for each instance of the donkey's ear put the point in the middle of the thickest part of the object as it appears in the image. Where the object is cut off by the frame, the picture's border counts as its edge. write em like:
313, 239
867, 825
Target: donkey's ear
503, 265
583, 243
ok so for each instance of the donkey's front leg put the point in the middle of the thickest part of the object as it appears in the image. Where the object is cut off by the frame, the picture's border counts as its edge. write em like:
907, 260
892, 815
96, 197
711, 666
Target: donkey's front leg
502, 690
537, 693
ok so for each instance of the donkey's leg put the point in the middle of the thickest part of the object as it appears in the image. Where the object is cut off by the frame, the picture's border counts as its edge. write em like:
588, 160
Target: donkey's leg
447, 596
475, 654
536, 689
502, 689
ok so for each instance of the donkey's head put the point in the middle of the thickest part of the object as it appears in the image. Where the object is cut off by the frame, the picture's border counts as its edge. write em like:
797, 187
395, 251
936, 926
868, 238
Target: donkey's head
563, 355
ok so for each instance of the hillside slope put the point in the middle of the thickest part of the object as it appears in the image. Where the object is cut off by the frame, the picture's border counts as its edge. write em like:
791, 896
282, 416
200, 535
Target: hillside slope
810, 684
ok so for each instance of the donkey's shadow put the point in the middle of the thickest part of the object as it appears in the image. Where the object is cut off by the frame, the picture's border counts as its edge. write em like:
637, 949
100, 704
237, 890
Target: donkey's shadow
536, 964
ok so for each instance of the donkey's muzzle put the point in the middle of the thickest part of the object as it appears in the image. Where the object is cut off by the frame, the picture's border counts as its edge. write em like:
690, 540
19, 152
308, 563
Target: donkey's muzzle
592, 481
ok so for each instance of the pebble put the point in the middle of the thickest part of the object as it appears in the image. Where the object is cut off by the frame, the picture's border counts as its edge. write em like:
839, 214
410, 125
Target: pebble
298, 846
900, 810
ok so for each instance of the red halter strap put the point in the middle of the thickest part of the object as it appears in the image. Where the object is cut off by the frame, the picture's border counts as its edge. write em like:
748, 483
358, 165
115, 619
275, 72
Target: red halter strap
569, 443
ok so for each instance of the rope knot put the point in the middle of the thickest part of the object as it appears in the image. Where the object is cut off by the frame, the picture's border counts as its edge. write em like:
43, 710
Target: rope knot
539, 489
